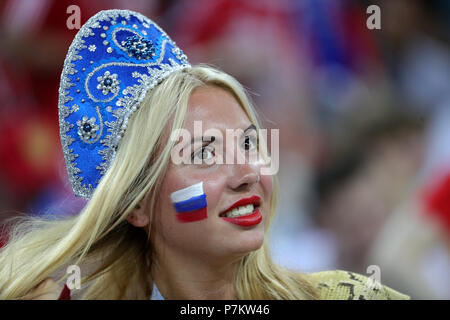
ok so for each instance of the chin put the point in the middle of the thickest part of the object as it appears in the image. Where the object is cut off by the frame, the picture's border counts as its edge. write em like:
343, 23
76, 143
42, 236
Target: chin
248, 241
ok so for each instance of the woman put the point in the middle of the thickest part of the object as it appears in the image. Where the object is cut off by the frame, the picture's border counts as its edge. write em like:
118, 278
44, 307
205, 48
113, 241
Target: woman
130, 107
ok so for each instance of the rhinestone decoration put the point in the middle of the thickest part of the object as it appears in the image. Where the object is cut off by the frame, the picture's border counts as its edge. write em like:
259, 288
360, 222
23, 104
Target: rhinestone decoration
92, 47
108, 83
139, 47
87, 129
179, 54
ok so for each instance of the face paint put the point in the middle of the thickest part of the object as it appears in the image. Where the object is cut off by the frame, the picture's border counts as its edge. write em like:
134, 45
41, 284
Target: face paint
190, 203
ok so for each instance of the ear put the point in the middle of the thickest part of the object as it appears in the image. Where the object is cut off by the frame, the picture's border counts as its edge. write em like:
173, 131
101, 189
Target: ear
139, 216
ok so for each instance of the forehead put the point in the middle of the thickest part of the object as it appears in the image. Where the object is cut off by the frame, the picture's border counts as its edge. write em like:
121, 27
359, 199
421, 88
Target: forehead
216, 108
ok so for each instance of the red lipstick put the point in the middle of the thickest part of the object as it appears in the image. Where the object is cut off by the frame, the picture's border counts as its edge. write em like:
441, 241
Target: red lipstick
248, 220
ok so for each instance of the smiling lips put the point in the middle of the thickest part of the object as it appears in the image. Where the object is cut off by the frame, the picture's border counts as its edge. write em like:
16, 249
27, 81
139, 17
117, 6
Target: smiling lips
246, 220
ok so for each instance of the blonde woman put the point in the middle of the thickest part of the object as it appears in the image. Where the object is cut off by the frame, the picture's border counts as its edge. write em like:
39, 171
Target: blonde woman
168, 217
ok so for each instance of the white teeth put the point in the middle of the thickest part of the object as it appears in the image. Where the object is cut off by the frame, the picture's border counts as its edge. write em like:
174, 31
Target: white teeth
240, 211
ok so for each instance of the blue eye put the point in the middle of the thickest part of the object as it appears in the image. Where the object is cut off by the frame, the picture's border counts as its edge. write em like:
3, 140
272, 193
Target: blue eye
204, 153
250, 142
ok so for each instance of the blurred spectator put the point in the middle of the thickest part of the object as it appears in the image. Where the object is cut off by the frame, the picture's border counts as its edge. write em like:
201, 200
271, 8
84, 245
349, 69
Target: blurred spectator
366, 182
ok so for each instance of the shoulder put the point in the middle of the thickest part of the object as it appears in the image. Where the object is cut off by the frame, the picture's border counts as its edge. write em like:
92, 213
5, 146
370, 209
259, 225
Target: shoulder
345, 285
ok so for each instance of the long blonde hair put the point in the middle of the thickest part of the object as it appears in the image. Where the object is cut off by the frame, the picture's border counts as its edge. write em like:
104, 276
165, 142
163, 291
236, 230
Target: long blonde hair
119, 255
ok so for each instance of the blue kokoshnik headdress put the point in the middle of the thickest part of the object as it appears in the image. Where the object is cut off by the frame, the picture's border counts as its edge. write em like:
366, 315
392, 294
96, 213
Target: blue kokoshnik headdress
115, 58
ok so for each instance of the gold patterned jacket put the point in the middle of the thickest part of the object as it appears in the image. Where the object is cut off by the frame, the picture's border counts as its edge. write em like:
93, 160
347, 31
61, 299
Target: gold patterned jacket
345, 285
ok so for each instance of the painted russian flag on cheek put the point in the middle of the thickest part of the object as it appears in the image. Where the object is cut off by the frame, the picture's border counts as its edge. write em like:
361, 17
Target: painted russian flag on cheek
190, 203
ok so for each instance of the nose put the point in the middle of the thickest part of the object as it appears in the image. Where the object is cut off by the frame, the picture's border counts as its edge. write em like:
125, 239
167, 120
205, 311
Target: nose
242, 176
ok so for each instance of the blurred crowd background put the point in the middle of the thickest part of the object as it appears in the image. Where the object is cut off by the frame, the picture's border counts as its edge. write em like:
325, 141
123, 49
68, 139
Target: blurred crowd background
364, 120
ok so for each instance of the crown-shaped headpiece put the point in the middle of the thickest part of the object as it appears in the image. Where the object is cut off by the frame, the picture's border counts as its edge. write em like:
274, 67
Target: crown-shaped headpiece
115, 58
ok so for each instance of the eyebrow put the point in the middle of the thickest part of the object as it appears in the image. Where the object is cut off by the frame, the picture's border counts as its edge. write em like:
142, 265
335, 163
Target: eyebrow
211, 139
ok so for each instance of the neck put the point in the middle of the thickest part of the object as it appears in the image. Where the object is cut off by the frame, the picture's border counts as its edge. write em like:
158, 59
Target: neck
192, 278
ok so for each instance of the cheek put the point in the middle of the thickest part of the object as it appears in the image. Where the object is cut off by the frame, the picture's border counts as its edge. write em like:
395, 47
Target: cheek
266, 180
194, 202
190, 203
267, 184
213, 190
